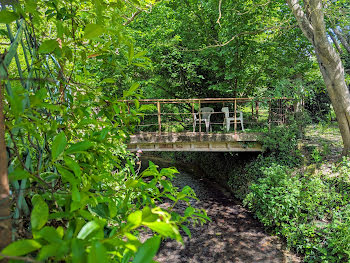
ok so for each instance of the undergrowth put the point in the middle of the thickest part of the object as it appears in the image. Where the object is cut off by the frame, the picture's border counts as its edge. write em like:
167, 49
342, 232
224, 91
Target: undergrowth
309, 209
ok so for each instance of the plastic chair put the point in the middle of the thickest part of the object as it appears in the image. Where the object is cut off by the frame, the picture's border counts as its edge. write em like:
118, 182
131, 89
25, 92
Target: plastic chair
205, 117
228, 119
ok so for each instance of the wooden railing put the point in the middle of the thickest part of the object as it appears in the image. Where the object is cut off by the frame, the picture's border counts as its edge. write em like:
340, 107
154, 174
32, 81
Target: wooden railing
257, 113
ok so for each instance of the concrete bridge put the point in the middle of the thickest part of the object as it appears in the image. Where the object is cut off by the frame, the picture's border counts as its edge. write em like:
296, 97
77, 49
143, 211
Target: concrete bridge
176, 125
195, 142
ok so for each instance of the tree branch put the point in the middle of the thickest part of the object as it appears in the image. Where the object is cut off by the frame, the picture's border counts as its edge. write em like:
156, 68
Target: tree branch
24, 259
342, 39
303, 22
340, 51
134, 15
238, 35
218, 21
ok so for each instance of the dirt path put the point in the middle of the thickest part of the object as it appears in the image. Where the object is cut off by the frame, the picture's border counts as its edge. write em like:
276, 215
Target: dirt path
232, 236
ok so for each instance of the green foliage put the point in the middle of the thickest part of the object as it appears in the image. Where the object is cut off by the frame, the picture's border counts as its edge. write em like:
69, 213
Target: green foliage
318, 104
281, 143
183, 39
74, 181
309, 211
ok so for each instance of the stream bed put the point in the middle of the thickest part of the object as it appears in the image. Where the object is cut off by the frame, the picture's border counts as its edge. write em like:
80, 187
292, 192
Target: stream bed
233, 235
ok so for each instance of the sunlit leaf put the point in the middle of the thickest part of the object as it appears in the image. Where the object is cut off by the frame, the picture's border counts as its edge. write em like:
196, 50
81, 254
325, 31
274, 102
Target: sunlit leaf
48, 46
93, 30
147, 251
21, 247
40, 213
6, 17
87, 229
58, 145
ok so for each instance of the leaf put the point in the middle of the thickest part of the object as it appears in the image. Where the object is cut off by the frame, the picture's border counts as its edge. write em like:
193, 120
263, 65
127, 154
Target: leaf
40, 213
18, 174
78, 251
98, 253
87, 229
186, 230
148, 216
73, 165
135, 219
109, 80
47, 251
75, 194
147, 251
6, 17
49, 234
58, 145
93, 30
21, 247
112, 208
132, 90
67, 175
79, 147
48, 46
140, 54
165, 229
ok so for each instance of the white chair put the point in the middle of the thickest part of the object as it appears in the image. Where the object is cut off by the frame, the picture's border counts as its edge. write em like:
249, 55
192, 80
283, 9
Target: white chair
205, 117
229, 119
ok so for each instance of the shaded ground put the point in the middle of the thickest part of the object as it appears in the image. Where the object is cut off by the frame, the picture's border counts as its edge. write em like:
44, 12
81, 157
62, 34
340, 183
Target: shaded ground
326, 138
232, 236
322, 145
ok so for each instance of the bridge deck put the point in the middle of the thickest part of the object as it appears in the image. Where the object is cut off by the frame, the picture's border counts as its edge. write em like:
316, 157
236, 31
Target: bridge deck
195, 142
172, 124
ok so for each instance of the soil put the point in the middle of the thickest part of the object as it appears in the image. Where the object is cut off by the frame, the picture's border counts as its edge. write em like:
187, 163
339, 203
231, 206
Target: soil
233, 235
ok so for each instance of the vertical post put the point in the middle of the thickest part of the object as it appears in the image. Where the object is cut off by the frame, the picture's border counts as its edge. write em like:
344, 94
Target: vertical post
200, 117
128, 107
257, 110
253, 110
193, 117
159, 118
235, 124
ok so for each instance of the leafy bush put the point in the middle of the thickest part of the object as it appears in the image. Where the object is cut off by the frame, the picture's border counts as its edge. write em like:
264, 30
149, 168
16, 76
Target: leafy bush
76, 194
310, 212
281, 143
87, 202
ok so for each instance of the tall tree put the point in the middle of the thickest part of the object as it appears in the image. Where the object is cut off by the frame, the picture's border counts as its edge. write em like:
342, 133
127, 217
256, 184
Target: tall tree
310, 16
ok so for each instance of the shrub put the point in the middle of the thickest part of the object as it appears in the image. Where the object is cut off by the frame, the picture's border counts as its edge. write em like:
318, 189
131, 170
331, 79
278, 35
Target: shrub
311, 213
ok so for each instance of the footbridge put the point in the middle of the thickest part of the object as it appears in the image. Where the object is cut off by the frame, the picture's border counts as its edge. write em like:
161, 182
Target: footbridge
206, 125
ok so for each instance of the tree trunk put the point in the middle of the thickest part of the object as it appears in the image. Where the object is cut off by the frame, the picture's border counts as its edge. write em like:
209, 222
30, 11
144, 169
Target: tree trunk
5, 220
310, 18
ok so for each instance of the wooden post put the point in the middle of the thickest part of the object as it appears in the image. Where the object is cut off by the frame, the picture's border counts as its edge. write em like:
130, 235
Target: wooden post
5, 213
200, 117
193, 117
257, 110
235, 112
159, 118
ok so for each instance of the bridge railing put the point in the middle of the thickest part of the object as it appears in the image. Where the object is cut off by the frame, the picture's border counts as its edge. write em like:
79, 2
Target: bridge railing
179, 115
